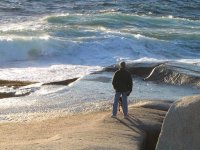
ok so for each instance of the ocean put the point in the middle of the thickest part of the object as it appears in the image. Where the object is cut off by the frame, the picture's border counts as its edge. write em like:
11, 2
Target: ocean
54, 40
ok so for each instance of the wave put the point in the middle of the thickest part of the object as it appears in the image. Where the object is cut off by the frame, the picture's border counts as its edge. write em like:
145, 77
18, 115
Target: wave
132, 19
161, 28
113, 20
97, 39
100, 50
23, 49
79, 26
76, 46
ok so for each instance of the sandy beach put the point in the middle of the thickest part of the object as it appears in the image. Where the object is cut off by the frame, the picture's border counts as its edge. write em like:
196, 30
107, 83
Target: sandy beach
87, 131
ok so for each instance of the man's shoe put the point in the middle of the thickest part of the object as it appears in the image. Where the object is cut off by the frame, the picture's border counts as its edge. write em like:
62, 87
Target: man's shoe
126, 117
113, 116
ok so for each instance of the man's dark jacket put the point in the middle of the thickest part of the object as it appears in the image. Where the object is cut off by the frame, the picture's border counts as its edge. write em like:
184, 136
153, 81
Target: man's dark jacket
122, 81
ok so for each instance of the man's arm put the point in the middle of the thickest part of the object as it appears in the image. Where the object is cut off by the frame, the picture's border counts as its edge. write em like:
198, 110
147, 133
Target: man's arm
130, 82
114, 80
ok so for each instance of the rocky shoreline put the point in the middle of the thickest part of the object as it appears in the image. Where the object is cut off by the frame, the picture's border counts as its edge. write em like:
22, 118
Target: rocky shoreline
13, 85
167, 72
161, 73
19, 84
142, 128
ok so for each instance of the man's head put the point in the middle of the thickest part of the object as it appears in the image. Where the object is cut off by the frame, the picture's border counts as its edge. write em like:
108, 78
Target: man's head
122, 65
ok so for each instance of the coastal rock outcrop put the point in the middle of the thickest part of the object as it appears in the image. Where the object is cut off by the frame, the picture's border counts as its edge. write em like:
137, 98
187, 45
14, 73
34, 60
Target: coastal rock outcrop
175, 74
180, 130
166, 72
138, 69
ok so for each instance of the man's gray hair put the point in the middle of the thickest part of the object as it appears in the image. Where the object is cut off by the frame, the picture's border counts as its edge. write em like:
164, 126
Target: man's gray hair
122, 64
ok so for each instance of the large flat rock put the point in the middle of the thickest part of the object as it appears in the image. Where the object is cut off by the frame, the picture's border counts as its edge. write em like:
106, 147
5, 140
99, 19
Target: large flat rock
91, 131
181, 127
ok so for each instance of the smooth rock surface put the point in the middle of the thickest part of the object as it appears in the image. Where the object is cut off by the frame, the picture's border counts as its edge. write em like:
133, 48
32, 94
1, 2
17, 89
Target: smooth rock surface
181, 127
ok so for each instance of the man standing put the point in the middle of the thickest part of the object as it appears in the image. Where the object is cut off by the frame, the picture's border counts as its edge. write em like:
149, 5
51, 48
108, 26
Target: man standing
122, 83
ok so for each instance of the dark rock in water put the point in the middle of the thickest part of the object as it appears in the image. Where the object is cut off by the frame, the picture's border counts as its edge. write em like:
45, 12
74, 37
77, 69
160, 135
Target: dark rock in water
176, 74
64, 82
141, 69
12, 94
6, 95
15, 84
138, 69
167, 72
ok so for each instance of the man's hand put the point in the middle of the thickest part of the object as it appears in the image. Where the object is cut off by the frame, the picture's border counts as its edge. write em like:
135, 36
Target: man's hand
128, 93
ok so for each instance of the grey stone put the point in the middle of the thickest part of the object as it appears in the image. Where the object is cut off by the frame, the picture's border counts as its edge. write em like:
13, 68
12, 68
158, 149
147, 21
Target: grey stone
181, 127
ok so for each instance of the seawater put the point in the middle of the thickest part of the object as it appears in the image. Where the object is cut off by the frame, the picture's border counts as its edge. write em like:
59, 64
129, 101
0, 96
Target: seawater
54, 40
90, 93
94, 34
